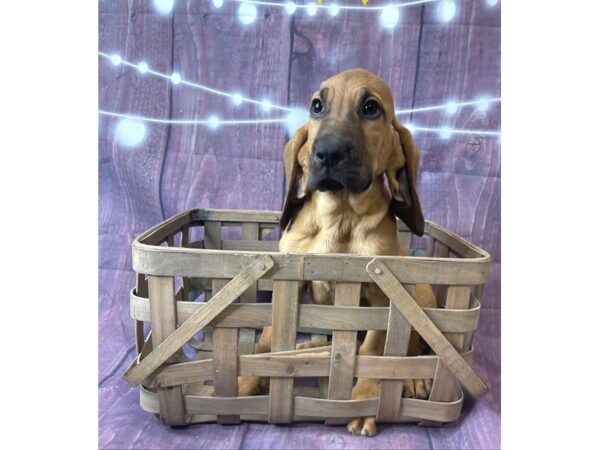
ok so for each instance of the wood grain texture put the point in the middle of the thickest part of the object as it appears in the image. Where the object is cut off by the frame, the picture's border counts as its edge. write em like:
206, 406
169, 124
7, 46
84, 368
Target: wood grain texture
212, 47
285, 319
343, 350
164, 322
317, 318
444, 384
225, 362
428, 331
198, 320
459, 184
396, 344
131, 179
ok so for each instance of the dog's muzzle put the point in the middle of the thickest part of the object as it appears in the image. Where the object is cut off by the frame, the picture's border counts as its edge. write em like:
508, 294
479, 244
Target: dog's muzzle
335, 164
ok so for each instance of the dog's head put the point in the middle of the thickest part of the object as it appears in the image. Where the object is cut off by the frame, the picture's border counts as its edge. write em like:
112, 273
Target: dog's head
351, 139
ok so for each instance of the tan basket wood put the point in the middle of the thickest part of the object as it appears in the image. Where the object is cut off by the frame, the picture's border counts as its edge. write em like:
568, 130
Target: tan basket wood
401, 299
232, 272
164, 320
198, 320
343, 350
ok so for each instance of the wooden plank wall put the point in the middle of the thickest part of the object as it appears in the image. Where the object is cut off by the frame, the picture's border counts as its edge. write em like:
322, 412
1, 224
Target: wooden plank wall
284, 59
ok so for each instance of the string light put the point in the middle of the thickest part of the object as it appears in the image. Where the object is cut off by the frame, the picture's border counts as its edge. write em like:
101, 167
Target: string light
445, 132
491, 2
390, 16
290, 8
266, 105
446, 10
451, 107
175, 78
341, 7
191, 121
333, 9
311, 9
483, 104
130, 132
247, 13
213, 122
115, 59
235, 97
164, 6
142, 67
457, 131
133, 130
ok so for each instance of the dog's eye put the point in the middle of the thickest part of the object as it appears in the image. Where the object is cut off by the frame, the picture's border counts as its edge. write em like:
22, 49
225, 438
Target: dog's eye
317, 107
371, 109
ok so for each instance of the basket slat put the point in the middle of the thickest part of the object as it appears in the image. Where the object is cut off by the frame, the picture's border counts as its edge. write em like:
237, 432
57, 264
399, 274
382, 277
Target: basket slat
250, 231
318, 318
164, 322
225, 362
396, 344
315, 364
285, 318
444, 384
343, 349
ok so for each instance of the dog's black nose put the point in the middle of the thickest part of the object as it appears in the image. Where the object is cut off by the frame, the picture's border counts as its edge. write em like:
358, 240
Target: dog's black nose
330, 150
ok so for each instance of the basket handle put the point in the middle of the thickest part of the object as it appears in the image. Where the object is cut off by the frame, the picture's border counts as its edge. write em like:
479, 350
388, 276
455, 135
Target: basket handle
413, 313
137, 373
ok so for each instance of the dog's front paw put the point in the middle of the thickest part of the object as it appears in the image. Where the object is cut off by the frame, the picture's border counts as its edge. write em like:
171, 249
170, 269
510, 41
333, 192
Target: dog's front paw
362, 426
417, 389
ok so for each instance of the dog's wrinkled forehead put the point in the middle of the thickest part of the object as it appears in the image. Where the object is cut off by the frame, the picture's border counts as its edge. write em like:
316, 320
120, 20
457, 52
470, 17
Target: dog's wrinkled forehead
357, 80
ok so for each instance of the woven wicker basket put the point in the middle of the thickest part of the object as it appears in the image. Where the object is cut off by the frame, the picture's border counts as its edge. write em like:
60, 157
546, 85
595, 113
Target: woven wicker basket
235, 272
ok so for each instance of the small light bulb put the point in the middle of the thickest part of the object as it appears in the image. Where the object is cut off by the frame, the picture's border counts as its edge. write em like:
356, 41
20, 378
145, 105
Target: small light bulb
217, 3
451, 108
164, 6
175, 78
247, 13
266, 105
491, 2
130, 132
115, 59
290, 8
142, 67
237, 99
213, 122
333, 10
446, 10
410, 127
483, 104
445, 132
390, 16
311, 9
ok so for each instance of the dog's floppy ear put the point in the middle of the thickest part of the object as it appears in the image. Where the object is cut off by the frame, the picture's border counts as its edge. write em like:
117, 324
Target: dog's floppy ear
295, 189
402, 180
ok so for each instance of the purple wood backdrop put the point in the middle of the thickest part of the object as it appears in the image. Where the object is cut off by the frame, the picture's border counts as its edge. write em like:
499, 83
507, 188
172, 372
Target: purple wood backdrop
424, 61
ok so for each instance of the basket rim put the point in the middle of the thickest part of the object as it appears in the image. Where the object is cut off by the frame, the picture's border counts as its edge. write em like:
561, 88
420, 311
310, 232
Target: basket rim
146, 248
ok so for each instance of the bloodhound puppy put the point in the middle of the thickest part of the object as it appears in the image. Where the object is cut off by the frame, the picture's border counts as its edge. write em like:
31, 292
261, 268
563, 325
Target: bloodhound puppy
350, 170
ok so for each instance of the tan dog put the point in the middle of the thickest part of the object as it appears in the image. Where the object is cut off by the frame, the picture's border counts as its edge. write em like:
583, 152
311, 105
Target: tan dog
337, 201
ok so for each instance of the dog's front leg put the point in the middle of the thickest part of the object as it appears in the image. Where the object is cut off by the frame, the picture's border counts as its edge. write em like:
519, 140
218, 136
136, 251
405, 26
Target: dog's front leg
367, 387
251, 385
